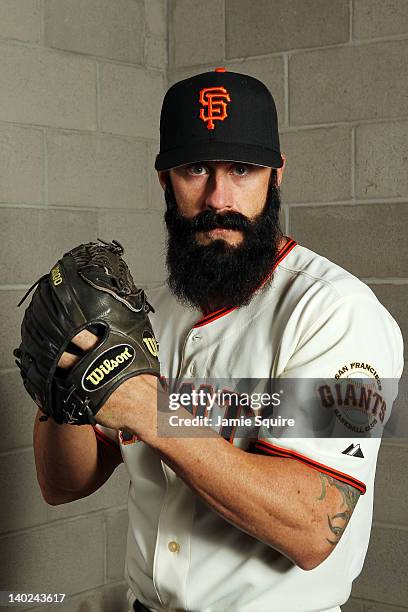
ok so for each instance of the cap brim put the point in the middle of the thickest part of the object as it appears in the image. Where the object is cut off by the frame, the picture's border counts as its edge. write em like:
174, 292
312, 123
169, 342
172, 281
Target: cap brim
219, 151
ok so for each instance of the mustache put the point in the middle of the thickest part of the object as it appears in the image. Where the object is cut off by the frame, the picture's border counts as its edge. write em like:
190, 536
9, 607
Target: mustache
209, 220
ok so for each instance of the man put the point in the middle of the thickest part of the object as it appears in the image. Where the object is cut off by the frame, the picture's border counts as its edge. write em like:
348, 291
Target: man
213, 526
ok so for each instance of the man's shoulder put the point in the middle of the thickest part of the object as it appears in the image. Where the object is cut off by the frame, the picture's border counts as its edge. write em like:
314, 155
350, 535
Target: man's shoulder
333, 308
167, 307
314, 271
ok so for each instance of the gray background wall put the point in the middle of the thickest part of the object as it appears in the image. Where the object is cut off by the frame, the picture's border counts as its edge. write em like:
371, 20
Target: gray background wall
81, 83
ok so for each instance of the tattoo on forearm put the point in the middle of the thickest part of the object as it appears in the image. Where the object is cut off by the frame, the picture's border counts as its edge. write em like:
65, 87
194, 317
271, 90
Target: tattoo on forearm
338, 522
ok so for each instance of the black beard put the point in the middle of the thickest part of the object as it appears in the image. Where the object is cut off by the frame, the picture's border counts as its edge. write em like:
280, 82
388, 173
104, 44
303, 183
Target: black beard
219, 275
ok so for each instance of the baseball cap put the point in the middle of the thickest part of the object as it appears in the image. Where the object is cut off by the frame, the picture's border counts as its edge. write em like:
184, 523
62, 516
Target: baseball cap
218, 115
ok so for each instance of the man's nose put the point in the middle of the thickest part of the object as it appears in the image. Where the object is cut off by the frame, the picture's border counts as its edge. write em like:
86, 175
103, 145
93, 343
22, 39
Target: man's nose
218, 196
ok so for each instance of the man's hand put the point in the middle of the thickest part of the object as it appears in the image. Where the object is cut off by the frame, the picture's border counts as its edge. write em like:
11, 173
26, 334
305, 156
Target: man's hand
130, 397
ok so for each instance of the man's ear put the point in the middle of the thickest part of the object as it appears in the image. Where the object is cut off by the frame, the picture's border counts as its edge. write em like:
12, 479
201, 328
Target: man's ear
163, 177
279, 171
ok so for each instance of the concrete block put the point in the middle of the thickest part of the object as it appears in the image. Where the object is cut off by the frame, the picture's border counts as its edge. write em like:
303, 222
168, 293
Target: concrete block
284, 217
20, 19
156, 17
116, 531
353, 605
23, 505
391, 500
177, 74
381, 160
10, 324
381, 607
21, 165
17, 411
376, 18
131, 100
94, 170
348, 83
352, 236
384, 576
395, 299
157, 200
64, 230
113, 493
47, 88
324, 151
156, 52
143, 236
196, 32
19, 240
269, 70
66, 557
396, 431
98, 27
256, 28
31, 240
111, 598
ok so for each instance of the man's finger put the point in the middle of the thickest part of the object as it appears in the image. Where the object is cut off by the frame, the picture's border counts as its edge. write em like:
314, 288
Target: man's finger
67, 360
85, 340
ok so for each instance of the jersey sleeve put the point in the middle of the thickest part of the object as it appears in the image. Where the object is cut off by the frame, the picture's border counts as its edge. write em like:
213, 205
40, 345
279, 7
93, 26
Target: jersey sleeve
355, 337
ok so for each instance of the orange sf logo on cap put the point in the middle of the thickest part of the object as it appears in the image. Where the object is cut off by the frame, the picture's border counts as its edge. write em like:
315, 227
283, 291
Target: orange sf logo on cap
215, 100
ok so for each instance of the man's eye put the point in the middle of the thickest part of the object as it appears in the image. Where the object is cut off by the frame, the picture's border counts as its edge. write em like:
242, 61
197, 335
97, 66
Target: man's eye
197, 169
241, 169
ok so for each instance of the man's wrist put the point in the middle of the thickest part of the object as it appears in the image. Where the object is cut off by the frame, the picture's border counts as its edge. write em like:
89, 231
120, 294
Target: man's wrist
137, 402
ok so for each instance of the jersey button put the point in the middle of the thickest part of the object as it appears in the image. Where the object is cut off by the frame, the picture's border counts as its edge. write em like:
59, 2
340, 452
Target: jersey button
173, 546
197, 338
193, 369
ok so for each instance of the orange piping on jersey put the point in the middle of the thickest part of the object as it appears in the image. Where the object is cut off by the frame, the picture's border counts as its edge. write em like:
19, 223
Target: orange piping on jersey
284, 252
102, 437
213, 313
213, 316
263, 447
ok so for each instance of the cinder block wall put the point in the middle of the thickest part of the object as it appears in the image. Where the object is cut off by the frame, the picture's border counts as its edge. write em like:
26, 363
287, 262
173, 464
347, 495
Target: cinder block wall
338, 70
81, 84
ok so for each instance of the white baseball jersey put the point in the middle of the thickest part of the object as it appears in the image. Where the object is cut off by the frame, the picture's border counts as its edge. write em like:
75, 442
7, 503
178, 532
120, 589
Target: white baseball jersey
314, 320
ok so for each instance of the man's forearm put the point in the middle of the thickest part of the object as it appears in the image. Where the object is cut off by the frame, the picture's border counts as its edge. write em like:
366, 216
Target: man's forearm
69, 463
275, 500
278, 501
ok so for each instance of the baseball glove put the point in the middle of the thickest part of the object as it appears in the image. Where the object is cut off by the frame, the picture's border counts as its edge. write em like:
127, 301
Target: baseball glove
89, 288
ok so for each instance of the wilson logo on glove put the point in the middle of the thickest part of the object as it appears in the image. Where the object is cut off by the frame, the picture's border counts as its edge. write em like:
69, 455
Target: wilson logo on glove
108, 365
151, 344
